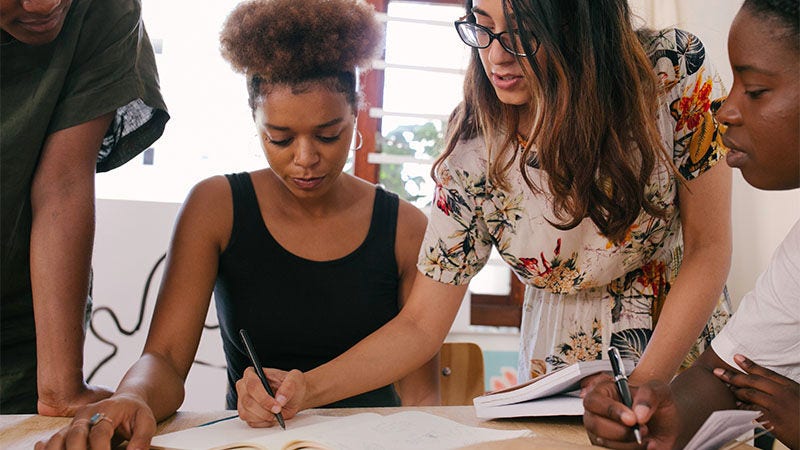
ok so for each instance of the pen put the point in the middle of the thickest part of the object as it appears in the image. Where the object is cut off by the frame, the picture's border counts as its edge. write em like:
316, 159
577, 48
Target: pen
622, 385
251, 352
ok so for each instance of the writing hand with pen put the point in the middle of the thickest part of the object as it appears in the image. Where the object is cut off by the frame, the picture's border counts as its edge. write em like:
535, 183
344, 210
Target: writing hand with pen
257, 403
609, 422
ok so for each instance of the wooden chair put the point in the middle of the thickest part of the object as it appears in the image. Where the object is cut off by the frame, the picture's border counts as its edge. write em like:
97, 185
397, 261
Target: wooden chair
462, 375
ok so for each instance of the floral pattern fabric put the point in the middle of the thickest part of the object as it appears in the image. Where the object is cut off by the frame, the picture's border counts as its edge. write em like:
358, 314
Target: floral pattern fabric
583, 292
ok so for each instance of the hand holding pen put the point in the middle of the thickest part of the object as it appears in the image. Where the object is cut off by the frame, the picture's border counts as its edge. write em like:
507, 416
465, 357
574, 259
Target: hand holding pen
621, 380
251, 352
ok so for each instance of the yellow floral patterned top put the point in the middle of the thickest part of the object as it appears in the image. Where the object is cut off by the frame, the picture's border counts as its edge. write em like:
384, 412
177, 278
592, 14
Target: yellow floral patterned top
583, 292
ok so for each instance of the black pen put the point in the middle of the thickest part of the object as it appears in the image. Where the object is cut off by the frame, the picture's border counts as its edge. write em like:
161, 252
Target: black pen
251, 352
622, 385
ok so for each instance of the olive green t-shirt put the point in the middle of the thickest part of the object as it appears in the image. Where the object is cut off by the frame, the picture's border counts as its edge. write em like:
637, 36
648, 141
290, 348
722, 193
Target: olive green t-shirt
100, 62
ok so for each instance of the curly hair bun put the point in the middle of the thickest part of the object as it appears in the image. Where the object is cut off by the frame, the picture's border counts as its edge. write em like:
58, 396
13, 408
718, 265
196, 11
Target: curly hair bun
301, 39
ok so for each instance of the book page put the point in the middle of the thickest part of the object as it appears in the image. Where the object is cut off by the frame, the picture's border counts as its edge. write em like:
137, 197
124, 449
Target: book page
366, 431
722, 427
402, 431
557, 405
225, 432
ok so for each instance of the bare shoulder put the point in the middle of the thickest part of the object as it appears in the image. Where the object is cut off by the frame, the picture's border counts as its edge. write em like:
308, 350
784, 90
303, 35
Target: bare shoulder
411, 222
208, 210
211, 193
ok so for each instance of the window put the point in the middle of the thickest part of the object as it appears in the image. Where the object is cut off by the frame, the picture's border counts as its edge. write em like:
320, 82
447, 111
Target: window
410, 95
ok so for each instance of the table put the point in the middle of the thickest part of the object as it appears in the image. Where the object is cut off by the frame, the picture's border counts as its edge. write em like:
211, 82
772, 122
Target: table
553, 433
23, 431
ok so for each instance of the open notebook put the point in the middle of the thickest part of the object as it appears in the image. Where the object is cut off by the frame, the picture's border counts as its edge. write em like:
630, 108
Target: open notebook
366, 431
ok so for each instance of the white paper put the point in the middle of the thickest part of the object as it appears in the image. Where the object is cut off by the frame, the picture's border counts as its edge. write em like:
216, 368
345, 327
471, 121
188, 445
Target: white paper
367, 431
722, 427
558, 405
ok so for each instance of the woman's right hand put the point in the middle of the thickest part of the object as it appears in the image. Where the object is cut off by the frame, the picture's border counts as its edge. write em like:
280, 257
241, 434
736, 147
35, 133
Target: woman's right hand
123, 417
258, 408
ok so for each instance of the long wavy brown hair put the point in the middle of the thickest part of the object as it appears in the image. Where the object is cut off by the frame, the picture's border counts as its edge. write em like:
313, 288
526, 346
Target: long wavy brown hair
594, 108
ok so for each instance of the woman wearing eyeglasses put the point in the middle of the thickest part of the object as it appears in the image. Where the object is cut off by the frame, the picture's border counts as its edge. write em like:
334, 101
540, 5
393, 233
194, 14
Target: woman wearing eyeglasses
587, 155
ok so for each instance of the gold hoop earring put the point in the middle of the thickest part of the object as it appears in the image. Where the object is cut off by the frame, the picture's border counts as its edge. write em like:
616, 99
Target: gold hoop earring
359, 140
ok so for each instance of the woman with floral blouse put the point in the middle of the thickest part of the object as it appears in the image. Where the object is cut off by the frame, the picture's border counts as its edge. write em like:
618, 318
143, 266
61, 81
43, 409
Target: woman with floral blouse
587, 154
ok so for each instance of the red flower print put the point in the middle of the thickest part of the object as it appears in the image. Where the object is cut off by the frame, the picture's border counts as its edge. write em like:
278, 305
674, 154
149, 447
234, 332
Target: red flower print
689, 109
440, 198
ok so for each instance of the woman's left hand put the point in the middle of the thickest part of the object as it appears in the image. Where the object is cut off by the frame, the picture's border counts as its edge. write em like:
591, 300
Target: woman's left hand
777, 397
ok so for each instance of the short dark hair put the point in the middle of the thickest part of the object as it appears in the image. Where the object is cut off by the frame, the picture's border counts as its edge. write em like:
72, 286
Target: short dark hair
297, 42
785, 12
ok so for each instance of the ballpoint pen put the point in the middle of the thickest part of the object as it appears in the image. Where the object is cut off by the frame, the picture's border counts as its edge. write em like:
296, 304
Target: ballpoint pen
621, 380
251, 352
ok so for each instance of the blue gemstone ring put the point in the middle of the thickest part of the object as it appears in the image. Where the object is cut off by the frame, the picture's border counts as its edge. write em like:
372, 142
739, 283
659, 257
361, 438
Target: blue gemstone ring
99, 417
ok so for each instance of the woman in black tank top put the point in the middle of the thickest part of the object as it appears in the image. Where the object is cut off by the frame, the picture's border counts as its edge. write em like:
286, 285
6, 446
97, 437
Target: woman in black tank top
308, 259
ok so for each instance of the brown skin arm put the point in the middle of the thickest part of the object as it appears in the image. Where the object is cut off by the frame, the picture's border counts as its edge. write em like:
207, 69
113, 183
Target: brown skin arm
420, 387
705, 208
62, 235
668, 415
153, 389
405, 343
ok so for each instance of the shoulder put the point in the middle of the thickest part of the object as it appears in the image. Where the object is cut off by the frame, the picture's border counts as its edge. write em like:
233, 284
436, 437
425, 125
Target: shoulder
411, 222
100, 24
105, 17
468, 155
213, 193
674, 53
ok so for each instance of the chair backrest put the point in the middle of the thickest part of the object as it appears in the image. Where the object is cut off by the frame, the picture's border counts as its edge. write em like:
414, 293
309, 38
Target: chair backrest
461, 378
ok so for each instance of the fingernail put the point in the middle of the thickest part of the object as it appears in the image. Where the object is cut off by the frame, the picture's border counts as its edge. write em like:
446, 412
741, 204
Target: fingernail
641, 410
627, 416
281, 399
275, 409
719, 372
739, 358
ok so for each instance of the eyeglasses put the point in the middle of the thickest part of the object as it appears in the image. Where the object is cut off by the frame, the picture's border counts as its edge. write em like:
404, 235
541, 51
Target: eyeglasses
478, 36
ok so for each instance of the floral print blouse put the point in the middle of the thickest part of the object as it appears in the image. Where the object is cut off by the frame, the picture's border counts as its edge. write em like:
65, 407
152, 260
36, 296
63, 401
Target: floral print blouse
583, 292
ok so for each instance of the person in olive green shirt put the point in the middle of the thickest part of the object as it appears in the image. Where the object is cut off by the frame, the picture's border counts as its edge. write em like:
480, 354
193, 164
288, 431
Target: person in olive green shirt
78, 93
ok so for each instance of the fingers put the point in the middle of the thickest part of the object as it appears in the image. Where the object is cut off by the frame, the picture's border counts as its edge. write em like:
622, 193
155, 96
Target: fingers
606, 431
648, 398
604, 402
100, 434
289, 387
254, 404
143, 430
590, 382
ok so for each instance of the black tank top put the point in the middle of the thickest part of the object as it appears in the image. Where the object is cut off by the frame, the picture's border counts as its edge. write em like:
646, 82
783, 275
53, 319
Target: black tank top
301, 313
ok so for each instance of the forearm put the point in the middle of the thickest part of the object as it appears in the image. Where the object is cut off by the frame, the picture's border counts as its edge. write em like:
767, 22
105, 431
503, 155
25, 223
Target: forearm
421, 387
698, 393
60, 254
383, 357
156, 382
687, 308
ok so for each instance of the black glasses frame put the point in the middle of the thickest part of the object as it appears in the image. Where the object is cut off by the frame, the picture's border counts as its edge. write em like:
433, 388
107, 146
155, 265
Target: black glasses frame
459, 24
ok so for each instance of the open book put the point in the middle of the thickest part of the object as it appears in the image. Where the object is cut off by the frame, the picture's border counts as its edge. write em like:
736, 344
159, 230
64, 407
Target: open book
366, 431
551, 394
